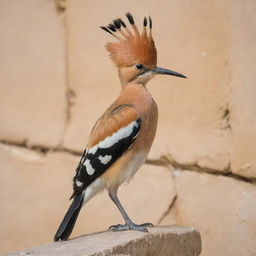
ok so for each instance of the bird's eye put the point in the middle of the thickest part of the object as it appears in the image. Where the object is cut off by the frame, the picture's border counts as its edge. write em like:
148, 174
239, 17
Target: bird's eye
139, 66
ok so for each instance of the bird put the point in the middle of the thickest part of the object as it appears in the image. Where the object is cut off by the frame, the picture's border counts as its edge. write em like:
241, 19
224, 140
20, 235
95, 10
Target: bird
122, 137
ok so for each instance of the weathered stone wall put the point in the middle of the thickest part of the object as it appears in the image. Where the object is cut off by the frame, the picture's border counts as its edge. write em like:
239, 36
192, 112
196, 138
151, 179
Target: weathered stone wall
56, 79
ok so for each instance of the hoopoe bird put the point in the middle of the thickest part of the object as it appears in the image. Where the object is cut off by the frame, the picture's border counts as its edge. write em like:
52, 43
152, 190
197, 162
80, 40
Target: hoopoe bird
122, 137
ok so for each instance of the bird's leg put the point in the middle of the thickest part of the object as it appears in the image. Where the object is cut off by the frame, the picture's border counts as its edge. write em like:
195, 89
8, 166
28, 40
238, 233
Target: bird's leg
129, 225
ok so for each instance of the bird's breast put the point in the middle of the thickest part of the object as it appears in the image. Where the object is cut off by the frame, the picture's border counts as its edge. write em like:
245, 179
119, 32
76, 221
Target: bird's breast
127, 165
148, 112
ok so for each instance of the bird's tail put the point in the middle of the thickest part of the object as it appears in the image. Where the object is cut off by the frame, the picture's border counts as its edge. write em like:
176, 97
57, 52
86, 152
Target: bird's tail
69, 220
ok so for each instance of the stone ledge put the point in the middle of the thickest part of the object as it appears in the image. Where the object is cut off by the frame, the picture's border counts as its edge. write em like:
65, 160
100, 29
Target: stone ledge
164, 240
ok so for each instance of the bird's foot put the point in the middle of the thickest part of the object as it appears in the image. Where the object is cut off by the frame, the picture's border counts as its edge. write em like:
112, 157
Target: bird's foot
131, 226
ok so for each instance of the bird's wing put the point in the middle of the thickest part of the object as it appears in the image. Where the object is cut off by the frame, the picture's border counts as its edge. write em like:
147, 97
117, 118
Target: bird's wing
113, 134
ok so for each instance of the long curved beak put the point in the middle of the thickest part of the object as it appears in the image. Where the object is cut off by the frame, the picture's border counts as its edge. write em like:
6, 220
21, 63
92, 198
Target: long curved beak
164, 71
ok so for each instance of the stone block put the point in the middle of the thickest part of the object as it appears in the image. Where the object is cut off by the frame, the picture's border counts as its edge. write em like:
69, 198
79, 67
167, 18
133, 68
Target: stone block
162, 241
243, 94
222, 208
92, 77
32, 73
192, 121
35, 188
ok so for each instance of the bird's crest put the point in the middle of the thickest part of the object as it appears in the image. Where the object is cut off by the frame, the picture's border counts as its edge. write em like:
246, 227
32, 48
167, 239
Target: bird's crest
132, 47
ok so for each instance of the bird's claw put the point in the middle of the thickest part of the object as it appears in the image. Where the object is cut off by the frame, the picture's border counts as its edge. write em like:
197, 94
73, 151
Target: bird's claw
131, 226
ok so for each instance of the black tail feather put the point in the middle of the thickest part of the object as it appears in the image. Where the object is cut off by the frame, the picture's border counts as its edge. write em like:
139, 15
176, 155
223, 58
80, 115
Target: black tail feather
69, 220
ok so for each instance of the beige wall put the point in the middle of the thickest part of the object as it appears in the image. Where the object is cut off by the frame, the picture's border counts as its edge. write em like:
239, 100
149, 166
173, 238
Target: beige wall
55, 81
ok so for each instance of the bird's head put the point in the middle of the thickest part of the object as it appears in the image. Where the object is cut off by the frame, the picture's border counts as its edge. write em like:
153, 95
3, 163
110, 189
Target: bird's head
134, 53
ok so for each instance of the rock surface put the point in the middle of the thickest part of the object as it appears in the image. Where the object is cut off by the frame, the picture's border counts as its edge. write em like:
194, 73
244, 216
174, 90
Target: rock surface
41, 184
161, 241
243, 96
223, 209
32, 73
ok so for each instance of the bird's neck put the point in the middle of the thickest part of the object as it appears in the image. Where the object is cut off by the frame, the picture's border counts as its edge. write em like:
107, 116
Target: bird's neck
138, 95
140, 80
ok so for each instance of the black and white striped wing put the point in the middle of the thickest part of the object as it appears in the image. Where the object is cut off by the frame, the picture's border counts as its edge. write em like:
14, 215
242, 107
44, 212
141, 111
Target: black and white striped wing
118, 138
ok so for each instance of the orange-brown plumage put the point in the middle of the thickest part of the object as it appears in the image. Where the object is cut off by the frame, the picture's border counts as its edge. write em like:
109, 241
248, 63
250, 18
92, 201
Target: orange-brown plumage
133, 47
116, 117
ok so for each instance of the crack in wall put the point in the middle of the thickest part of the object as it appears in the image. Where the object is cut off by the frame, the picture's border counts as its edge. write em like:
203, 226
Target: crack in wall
170, 162
39, 148
168, 209
70, 96
226, 118
164, 160
225, 123
60, 5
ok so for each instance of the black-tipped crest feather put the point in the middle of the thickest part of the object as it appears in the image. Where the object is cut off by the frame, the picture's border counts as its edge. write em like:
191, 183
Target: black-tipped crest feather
117, 24
127, 50
106, 29
122, 23
145, 22
130, 18
150, 22
112, 27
